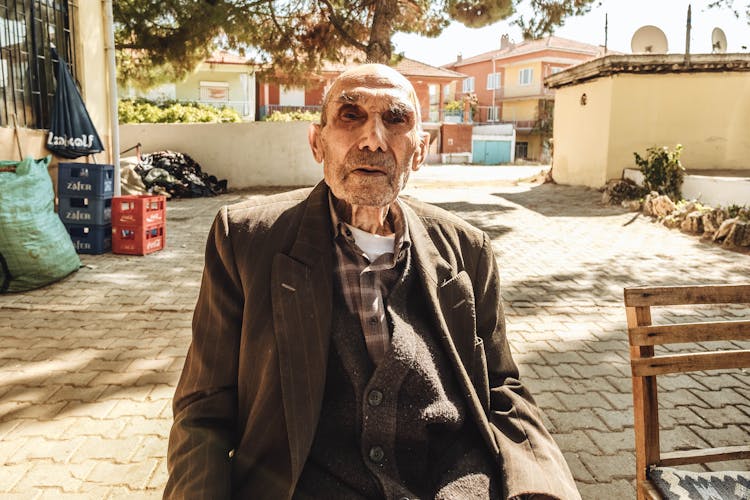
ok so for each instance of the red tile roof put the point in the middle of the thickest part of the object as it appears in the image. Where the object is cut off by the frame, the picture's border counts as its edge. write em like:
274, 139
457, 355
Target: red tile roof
531, 46
407, 67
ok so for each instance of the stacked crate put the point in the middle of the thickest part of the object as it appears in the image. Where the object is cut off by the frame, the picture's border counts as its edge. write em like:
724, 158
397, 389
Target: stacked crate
85, 204
138, 224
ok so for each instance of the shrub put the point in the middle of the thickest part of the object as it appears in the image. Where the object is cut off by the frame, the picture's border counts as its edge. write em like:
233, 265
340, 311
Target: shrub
662, 170
293, 116
146, 111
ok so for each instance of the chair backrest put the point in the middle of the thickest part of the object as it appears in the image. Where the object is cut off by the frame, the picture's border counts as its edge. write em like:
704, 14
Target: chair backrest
645, 365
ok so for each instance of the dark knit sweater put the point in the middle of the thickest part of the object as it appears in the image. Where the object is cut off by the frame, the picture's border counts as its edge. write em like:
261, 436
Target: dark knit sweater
398, 430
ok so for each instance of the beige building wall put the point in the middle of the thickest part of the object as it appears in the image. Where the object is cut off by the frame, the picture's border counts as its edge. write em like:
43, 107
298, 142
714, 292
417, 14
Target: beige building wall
190, 88
511, 86
581, 134
520, 110
246, 154
708, 113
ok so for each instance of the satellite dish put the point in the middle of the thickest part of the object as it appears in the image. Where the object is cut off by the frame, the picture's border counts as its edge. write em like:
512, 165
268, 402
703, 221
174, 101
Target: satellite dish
718, 41
649, 40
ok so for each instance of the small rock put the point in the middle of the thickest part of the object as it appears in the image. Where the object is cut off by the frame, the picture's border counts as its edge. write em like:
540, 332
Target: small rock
724, 229
739, 235
712, 220
658, 205
693, 222
632, 205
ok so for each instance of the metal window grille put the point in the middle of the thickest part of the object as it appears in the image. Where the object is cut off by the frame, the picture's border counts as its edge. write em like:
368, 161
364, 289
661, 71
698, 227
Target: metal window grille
27, 78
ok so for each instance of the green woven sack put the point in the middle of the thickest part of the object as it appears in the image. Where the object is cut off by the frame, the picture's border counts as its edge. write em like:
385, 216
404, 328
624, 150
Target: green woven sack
35, 248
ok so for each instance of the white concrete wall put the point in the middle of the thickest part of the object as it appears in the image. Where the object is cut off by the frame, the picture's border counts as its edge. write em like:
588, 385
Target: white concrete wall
246, 154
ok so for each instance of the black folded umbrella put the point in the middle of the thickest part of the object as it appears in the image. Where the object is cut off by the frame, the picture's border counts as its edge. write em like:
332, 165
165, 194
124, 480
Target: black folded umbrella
71, 133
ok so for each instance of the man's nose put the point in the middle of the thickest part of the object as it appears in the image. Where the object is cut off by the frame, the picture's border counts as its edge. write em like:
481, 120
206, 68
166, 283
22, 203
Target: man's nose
374, 133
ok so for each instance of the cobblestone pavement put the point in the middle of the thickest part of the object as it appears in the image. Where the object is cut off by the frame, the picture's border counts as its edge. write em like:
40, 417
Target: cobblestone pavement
88, 365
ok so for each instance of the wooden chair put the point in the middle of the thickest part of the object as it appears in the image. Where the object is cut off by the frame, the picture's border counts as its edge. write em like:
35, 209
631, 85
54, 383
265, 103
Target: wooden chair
646, 366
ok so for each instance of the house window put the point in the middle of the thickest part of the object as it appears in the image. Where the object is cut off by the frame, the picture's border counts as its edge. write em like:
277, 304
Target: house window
493, 81
27, 76
468, 84
522, 150
493, 113
525, 76
214, 91
434, 111
556, 70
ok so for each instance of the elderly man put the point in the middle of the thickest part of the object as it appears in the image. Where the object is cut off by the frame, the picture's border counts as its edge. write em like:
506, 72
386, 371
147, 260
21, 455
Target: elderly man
348, 343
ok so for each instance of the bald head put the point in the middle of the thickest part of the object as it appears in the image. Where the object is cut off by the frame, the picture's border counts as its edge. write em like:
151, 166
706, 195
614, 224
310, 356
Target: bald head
374, 76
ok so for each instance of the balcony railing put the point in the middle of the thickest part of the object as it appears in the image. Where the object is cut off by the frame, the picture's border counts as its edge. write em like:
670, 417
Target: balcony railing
271, 108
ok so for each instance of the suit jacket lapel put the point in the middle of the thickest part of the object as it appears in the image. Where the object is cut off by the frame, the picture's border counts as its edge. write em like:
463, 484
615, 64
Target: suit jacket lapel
301, 288
451, 306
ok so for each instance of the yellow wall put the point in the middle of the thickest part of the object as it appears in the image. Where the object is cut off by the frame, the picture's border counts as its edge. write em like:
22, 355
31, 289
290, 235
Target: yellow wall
520, 110
511, 87
708, 113
190, 87
581, 133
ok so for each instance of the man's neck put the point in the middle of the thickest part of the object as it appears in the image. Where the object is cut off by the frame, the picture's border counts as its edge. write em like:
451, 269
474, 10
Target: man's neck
371, 219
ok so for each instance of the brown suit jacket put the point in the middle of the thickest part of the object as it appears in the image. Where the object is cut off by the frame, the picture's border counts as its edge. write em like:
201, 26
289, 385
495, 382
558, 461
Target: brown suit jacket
248, 401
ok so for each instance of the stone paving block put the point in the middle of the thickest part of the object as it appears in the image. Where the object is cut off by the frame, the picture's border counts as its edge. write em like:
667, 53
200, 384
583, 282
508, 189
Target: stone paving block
141, 426
148, 409
731, 435
96, 409
10, 475
68, 477
576, 441
134, 476
576, 401
577, 469
716, 398
615, 420
607, 468
616, 489
613, 442
53, 450
97, 449
100, 428
568, 421
72, 393
682, 438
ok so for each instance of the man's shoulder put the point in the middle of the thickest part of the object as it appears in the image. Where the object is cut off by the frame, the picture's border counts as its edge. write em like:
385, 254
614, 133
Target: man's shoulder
264, 207
434, 217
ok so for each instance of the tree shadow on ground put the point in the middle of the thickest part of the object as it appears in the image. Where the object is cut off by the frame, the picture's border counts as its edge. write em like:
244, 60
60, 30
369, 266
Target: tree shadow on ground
554, 200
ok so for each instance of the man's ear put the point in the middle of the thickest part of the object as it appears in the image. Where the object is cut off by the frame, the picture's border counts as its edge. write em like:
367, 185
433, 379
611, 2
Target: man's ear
421, 155
313, 137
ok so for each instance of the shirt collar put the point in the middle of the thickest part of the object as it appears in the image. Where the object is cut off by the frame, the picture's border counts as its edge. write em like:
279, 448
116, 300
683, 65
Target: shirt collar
395, 216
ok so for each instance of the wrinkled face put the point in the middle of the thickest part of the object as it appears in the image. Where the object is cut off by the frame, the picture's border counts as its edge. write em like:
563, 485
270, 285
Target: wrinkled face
369, 139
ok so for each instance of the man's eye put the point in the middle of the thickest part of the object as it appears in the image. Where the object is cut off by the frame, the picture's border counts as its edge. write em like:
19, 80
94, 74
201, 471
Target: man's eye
395, 117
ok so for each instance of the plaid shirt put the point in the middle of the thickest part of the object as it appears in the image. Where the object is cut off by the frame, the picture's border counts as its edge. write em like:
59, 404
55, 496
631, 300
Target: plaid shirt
366, 285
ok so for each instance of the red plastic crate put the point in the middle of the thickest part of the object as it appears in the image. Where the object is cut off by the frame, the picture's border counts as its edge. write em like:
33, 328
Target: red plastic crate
139, 210
138, 240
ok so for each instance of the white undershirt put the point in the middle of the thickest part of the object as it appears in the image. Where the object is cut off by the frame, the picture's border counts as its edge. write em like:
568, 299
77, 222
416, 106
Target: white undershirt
374, 245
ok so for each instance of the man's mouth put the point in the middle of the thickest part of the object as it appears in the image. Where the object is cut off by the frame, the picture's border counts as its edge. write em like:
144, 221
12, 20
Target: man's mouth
368, 170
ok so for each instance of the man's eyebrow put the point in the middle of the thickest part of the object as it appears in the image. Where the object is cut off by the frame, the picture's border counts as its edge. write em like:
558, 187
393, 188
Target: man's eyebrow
400, 108
348, 97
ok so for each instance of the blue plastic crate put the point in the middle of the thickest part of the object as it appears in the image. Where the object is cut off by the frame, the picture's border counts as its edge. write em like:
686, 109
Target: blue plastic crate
85, 179
85, 210
90, 238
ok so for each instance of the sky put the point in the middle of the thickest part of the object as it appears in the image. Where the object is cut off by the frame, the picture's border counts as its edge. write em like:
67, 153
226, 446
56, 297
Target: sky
624, 18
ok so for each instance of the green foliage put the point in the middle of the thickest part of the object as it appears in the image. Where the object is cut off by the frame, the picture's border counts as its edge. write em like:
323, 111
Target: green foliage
164, 41
662, 170
146, 111
742, 212
454, 106
293, 116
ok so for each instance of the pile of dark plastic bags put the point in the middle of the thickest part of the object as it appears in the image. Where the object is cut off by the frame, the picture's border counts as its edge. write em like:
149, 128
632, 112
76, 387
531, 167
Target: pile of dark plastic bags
178, 175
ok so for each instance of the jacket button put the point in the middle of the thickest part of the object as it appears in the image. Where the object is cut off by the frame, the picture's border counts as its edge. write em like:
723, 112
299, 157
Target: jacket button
377, 454
375, 397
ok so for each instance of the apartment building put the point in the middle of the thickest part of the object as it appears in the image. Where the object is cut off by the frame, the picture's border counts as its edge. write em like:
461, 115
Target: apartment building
507, 86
